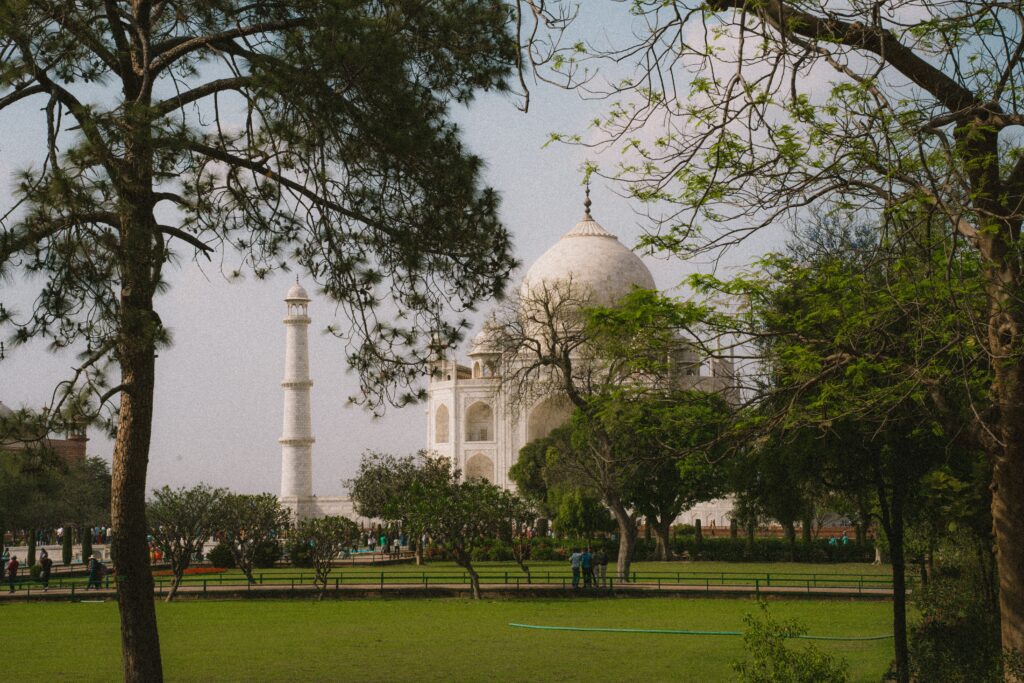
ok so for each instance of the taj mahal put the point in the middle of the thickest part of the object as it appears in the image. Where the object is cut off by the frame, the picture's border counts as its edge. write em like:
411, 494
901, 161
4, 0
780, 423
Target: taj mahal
470, 418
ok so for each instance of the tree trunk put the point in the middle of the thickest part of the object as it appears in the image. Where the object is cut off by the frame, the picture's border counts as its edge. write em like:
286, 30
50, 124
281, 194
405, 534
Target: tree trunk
175, 582
136, 353
31, 554
892, 520
662, 533
805, 529
1008, 505
627, 538
140, 643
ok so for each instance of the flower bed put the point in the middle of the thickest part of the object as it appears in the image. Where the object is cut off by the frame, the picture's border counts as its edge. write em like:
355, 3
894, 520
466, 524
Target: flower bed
191, 571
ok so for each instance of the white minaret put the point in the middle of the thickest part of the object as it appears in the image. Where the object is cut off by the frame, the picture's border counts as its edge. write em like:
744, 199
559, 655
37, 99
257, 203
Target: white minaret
297, 435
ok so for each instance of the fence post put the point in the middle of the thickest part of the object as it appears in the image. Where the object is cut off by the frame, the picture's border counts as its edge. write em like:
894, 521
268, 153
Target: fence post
382, 580
757, 587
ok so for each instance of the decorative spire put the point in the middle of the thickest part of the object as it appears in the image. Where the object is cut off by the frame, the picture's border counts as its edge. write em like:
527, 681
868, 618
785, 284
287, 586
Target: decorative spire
586, 205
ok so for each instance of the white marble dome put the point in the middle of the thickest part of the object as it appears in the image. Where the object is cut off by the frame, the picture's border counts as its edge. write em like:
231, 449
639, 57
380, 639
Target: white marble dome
297, 293
486, 340
594, 260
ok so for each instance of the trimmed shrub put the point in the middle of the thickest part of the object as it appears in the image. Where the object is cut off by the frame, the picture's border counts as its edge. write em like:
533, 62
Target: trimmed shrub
35, 571
768, 550
220, 556
66, 548
267, 554
86, 533
299, 555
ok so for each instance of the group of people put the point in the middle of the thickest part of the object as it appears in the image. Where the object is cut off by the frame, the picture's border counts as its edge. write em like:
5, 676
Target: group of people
844, 541
590, 566
382, 544
10, 566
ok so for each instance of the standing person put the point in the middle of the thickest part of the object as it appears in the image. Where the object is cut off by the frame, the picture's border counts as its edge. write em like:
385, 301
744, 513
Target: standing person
44, 574
574, 563
587, 564
95, 573
601, 563
12, 571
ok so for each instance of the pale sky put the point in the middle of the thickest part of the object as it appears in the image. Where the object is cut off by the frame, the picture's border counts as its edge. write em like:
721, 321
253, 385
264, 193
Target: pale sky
218, 398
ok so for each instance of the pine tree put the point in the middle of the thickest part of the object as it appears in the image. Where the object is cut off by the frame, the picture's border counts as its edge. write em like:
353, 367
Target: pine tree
300, 133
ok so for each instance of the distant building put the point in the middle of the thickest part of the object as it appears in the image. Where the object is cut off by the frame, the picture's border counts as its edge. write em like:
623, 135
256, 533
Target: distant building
71, 448
470, 420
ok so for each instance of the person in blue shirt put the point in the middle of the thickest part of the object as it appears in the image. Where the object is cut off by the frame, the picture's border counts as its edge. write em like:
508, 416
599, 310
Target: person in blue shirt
587, 564
575, 560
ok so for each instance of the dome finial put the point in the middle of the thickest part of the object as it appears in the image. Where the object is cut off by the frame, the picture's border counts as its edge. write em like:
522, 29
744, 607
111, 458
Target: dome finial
586, 205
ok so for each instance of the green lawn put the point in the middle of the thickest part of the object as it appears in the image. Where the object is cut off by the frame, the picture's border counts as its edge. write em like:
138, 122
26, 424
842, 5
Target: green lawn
426, 639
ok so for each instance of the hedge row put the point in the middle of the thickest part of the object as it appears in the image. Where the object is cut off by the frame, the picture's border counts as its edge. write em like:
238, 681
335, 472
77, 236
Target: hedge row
545, 548
709, 549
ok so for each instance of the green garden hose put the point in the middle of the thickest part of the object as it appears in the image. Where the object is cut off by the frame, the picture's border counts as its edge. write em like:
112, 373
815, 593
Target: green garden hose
673, 632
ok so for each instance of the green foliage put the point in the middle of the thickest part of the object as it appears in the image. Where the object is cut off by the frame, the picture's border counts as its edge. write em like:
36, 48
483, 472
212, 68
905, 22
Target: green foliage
427, 496
772, 661
956, 639
578, 512
221, 556
250, 525
180, 520
766, 550
298, 553
266, 554
35, 571
325, 539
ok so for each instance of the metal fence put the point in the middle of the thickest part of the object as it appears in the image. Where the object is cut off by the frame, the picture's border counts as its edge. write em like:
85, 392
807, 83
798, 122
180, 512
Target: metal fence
509, 579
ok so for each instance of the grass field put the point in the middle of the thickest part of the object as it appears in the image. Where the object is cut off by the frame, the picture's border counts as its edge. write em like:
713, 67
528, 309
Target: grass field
425, 640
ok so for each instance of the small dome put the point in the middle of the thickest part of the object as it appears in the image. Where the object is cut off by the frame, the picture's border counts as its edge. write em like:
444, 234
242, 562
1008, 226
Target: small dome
594, 260
486, 340
297, 293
